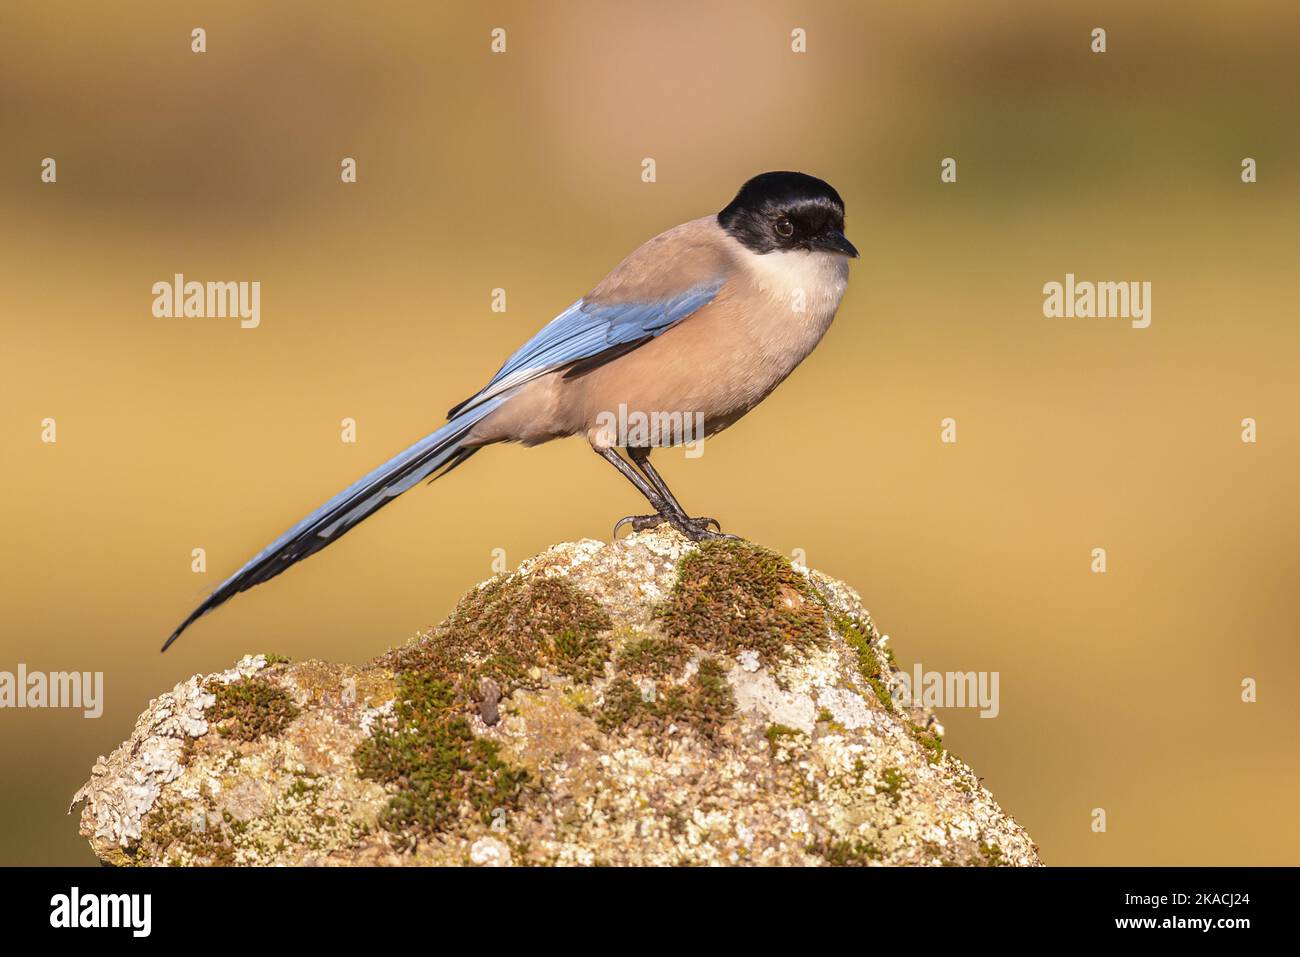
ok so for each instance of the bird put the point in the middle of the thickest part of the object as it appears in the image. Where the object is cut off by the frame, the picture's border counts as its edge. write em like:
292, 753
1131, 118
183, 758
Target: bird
697, 325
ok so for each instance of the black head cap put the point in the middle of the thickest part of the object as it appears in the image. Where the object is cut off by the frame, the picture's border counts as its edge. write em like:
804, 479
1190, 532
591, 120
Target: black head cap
787, 211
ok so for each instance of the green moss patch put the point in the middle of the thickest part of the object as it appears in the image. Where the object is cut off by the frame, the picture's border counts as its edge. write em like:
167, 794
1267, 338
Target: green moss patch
511, 630
931, 742
177, 829
703, 703
733, 595
991, 855
430, 752
623, 704
776, 732
843, 853
251, 708
891, 783
863, 640
509, 627
653, 657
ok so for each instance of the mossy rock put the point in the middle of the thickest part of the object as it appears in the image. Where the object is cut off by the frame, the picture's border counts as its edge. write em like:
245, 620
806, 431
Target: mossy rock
648, 701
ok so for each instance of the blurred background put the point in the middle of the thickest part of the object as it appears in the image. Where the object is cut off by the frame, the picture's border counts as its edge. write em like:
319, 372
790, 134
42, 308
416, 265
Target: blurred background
522, 171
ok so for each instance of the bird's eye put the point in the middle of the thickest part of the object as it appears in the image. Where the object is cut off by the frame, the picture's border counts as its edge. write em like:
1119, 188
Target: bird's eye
784, 228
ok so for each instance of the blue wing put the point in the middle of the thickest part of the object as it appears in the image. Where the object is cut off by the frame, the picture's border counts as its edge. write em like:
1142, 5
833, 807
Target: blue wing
585, 330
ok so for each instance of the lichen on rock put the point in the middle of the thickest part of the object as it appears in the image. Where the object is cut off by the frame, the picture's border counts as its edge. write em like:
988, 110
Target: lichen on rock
647, 701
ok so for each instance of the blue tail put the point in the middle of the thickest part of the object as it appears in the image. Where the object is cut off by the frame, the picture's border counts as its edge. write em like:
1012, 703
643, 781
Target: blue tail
358, 501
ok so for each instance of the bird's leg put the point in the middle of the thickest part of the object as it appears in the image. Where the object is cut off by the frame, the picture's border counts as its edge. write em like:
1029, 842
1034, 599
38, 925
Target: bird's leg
694, 528
639, 523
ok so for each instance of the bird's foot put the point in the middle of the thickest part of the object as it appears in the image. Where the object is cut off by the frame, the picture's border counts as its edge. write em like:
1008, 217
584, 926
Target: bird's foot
696, 529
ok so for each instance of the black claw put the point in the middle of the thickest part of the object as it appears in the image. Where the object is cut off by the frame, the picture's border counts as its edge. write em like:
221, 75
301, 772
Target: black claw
639, 523
697, 529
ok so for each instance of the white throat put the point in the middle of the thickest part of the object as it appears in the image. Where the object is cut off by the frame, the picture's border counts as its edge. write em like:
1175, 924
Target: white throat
802, 291
815, 280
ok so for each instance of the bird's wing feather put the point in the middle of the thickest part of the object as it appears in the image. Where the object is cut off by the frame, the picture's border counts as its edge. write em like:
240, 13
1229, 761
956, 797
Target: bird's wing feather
587, 329
659, 284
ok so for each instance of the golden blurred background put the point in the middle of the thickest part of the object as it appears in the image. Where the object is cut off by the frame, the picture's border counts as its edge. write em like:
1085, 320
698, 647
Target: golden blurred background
523, 171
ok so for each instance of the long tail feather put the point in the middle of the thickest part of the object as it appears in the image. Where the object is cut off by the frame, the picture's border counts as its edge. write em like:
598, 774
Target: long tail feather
357, 502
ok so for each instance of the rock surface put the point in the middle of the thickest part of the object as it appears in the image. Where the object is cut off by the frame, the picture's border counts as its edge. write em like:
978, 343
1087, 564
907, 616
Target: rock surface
642, 702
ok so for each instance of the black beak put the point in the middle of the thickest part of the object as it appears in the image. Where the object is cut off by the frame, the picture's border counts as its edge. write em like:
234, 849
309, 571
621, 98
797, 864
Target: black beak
837, 242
